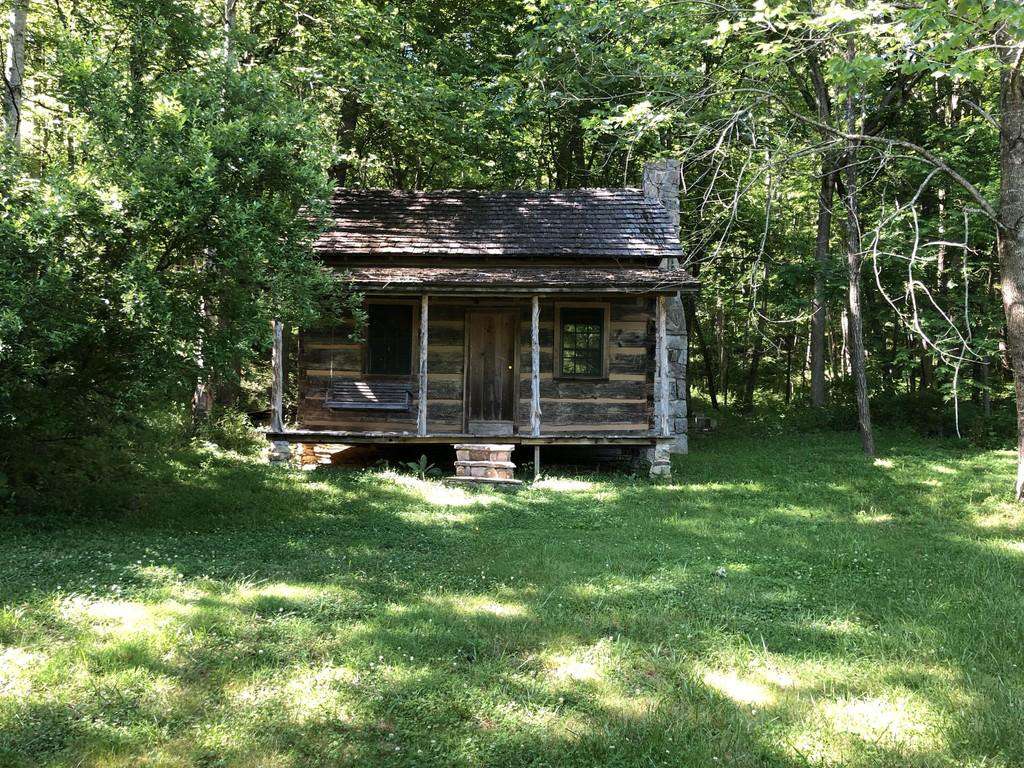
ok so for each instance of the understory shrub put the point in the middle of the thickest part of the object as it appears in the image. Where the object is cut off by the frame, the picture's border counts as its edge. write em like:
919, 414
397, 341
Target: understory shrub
927, 414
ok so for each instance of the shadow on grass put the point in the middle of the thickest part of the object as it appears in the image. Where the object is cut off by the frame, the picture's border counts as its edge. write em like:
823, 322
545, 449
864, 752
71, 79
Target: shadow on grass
247, 615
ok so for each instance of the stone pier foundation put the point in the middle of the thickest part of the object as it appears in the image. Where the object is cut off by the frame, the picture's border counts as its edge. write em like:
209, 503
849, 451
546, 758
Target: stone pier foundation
484, 463
659, 457
280, 453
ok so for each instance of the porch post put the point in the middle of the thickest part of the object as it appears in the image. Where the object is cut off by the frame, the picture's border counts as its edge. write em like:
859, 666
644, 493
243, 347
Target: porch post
421, 416
277, 383
535, 367
662, 371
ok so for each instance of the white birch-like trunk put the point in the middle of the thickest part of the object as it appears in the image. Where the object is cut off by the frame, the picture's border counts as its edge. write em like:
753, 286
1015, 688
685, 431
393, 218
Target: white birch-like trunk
858, 362
14, 71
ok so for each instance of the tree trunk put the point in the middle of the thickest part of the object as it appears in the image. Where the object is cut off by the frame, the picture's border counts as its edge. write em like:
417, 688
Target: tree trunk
756, 350
986, 392
756, 353
854, 262
723, 351
345, 136
806, 358
826, 194
14, 71
568, 155
844, 351
709, 371
1011, 236
790, 342
228, 28
204, 395
835, 349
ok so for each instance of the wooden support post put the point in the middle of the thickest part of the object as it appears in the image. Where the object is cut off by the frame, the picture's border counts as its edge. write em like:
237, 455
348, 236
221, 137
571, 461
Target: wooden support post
535, 368
277, 383
421, 416
536, 463
662, 370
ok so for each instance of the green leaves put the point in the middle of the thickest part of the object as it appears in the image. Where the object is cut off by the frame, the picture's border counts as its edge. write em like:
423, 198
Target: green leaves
149, 190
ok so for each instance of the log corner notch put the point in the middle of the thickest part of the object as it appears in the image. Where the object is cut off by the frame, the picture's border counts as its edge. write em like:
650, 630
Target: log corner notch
421, 402
277, 382
659, 454
661, 183
535, 367
663, 426
280, 450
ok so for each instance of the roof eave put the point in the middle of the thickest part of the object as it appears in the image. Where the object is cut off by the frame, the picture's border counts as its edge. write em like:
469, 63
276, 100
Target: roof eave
331, 253
520, 289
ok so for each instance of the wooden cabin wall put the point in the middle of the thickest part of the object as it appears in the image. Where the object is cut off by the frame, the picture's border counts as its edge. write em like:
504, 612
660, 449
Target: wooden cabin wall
446, 329
445, 349
622, 403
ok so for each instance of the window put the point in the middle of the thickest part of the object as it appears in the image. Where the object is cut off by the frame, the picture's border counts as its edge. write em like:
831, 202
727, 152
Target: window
582, 342
389, 339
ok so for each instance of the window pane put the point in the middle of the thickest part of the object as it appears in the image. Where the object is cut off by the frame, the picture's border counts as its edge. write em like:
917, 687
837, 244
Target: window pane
389, 339
582, 330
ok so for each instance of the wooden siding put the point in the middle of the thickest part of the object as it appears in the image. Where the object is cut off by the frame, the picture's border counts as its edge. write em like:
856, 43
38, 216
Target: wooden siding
622, 403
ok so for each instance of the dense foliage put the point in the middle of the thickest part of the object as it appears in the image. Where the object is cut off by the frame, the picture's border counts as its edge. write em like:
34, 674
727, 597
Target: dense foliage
151, 215
157, 216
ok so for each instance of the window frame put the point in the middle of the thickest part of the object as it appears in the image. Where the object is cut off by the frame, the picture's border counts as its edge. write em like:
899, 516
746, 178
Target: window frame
412, 304
556, 362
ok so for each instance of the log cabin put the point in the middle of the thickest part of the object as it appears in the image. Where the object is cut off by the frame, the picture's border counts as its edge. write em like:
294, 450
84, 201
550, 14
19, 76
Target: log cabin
499, 319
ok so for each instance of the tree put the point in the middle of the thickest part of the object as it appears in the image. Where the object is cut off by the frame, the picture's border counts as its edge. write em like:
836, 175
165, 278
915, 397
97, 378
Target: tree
1008, 37
14, 71
854, 261
169, 180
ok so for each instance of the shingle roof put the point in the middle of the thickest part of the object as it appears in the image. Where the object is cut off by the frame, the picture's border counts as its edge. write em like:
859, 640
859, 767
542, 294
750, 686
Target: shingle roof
517, 279
586, 223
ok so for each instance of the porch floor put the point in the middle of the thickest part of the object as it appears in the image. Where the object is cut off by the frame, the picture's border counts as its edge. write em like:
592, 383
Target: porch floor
550, 438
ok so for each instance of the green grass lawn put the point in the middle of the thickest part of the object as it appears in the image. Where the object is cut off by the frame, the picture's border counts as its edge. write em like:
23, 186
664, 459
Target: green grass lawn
869, 614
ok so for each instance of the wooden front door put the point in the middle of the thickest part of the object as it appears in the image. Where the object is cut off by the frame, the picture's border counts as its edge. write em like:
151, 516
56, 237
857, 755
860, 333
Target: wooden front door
491, 372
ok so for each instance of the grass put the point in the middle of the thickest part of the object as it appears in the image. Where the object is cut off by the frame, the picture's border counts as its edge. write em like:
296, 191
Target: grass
784, 602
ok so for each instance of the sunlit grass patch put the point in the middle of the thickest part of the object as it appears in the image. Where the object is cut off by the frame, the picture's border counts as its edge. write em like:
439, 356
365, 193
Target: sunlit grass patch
739, 689
437, 497
564, 484
575, 668
1013, 546
16, 671
490, 607
897, 726
300, 695
880, 518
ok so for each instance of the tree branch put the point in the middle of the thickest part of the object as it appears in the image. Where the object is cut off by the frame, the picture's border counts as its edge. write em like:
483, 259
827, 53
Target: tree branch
927, 155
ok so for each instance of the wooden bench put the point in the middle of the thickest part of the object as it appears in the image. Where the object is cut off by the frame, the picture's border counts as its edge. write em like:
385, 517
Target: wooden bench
347, 395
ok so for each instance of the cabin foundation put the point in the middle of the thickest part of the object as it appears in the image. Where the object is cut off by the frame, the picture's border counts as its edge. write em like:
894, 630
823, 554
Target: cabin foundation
280, 452
659, 456
484, 462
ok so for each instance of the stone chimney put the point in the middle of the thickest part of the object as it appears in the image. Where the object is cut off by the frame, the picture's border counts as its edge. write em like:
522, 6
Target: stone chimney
661, 183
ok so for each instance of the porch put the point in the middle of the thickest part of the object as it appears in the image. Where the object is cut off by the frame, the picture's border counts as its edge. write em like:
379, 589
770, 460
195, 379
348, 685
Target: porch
556, 366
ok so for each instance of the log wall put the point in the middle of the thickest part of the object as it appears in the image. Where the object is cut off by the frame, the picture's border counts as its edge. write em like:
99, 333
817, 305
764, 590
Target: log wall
621, 403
